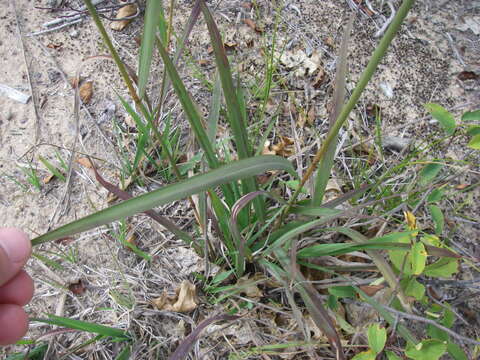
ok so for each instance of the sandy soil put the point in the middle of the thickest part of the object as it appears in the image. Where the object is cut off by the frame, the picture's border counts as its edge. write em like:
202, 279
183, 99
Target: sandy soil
441, 40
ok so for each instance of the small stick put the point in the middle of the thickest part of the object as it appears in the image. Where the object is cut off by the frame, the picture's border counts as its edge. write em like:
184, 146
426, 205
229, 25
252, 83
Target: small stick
387, 22
19, 33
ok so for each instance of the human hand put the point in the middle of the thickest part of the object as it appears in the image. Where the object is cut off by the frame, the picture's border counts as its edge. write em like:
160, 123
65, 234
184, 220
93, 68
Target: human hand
16, 286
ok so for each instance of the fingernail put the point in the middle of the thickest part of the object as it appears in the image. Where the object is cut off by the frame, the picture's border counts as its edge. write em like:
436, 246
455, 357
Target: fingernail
15, 244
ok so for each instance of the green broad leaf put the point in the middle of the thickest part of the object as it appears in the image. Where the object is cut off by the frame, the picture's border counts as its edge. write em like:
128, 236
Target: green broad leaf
377, 337
433, 240
456, 351
429, 172
435, 196
398, 259
438, 219
436, 333
365, 355
85, 326
443, 268
448, 318
473, 130
343, 292
231, 172
391, 355
419, 256
152, 20
294, 184
471, 116
431, 349
439, 113
413, 288
474, 143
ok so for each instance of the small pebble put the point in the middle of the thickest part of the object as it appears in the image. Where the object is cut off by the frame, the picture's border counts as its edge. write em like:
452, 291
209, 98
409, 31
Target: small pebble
387, 90
74, 34
395, 143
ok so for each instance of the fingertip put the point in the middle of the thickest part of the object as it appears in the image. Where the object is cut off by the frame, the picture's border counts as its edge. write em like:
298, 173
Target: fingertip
18, 290
14, 322
16, 245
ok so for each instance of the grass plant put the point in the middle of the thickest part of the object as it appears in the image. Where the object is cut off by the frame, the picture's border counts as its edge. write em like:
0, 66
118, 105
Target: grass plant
259, 226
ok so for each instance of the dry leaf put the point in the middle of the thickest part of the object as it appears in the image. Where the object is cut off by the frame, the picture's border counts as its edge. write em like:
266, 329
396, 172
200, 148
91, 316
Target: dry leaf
85, 162
132, 239
64, 241
311, 116
126, 11
246, 5
250, 23
467, 75
230, 45
371, 290
184, 301
284, 147
253, 25
48, 178
249, 286
86, 91
266, 149
319, 78
54, 46
74, 81
77, 288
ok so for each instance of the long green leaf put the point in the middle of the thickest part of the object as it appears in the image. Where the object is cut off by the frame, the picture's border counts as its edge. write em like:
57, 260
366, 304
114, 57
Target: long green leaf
193, 116
85, 326
381, 264
312, 301
152, 20
238, 124
326, 164
231, 172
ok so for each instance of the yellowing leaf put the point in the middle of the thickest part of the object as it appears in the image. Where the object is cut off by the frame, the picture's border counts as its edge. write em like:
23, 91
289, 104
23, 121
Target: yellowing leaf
474, 143
377, 337
184, 301
411, 221
365, 355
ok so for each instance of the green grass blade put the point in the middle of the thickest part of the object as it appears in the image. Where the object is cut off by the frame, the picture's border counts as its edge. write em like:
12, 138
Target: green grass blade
231, 172
381, 264
312, 301
124, 354
239, 127
367, 74
51, 168
326, 164
152, 20
85, 326
194, 118
214, 114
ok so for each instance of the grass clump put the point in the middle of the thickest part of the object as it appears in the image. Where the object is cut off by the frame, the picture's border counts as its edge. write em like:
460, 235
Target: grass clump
265, 226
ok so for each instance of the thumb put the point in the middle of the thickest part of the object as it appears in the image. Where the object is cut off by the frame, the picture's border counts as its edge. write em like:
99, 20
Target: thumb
15, 249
